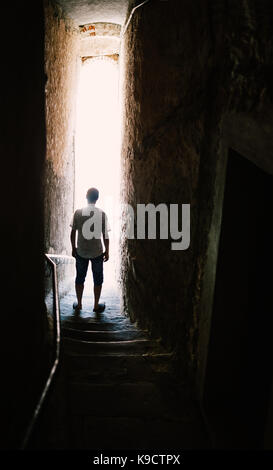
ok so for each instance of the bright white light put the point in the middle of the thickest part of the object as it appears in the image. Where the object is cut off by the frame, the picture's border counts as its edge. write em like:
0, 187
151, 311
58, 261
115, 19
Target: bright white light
97, 145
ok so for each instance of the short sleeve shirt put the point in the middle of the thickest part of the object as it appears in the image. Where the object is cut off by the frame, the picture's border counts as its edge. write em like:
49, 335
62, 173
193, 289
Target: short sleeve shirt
90, 223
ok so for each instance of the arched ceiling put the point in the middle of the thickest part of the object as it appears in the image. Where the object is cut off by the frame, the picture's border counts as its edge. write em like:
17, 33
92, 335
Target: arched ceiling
92, 11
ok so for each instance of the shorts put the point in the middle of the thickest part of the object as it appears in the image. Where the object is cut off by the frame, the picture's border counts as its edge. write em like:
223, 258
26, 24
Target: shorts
82, 267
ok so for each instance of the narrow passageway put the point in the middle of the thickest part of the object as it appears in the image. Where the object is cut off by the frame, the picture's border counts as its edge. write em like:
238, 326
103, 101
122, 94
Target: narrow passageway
116, 387
162, 106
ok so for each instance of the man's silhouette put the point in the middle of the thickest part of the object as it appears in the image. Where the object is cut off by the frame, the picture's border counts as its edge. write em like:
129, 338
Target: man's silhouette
91, 224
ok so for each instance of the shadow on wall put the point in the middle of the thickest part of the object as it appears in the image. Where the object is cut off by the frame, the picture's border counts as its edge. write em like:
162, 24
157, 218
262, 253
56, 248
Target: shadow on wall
23, 150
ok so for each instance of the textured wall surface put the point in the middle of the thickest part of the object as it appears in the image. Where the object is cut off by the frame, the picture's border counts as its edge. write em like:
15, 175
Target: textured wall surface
99, 38
186, 66
163, 133
61, 66
85, 11
102, 45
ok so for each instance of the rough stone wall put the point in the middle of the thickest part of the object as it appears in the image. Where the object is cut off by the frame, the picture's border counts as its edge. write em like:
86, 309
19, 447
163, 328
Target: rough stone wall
61, 67
186, 66
163, 133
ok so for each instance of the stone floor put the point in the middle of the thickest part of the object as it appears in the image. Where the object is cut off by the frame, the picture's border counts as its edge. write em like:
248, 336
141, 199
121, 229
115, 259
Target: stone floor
116, 388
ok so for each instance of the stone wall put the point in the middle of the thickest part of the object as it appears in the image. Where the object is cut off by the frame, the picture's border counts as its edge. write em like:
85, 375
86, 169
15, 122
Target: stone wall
187, 66
167, 59
61, 67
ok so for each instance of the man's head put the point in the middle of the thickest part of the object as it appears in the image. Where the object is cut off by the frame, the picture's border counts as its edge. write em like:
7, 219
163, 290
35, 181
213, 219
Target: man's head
92, 195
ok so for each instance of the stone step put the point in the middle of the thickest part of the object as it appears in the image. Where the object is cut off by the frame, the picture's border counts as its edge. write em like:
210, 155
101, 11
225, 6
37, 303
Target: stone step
119, 367
140, 346
133, 433
95, 325
116, 388
102, 335
139, 399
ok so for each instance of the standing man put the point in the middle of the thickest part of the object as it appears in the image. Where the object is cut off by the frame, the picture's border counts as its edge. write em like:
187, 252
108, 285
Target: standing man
91, 224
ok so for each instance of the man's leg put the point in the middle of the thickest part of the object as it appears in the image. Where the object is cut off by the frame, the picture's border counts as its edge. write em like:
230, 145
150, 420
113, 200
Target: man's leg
79, 291
97, 270
81, 267
97, 292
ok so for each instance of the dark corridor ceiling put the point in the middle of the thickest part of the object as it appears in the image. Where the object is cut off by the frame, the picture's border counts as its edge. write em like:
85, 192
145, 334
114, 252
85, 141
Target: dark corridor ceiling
92, 11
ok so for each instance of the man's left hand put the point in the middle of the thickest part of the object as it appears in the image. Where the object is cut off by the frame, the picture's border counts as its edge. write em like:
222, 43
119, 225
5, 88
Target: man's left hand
105, 256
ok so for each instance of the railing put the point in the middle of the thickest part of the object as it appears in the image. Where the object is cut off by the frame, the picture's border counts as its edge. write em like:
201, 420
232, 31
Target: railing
57, 339
131, 15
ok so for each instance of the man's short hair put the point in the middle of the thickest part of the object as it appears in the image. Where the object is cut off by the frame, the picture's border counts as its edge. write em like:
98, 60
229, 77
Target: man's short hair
92, 195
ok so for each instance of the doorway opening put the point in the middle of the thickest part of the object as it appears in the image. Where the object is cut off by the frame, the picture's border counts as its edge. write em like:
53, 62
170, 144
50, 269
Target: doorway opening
97, 147
240, 362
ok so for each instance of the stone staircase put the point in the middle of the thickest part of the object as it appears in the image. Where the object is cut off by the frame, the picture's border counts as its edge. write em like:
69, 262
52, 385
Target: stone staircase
116, 388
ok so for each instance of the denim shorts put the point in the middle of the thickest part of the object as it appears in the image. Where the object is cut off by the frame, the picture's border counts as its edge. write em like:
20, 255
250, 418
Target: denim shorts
82, 267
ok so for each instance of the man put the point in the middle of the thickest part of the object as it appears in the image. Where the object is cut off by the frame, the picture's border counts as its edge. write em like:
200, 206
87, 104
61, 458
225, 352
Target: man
91, 224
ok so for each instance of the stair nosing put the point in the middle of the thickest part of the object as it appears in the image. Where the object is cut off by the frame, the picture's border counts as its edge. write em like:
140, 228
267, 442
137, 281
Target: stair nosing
100, 331
121, 355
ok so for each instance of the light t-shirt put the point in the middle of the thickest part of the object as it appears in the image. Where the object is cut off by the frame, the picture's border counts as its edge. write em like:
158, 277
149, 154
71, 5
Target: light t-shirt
90, 223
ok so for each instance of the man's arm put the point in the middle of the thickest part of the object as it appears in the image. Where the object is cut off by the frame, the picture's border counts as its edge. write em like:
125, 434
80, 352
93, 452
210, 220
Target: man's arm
105, 236
73, 241
106, 245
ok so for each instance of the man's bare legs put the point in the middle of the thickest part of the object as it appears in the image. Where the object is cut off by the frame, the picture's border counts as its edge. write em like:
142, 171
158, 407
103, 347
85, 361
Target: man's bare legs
97, 292
79, 291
